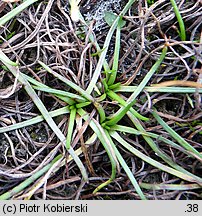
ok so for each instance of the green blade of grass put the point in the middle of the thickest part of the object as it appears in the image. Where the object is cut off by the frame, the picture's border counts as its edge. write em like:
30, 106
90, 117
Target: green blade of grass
106, 46
130, 102
151, 161
68, 82
60, 94
101, 134
84, 104
177, 137
178, 90
180, 20
101, 111
8, 61
70, 127
130, 130
112, 75
34, 120
56, 92
117, 98
42, 87
29, 180
65, 99
38, 174
156, 148
30, 91
126, 169
8, 16
102, 58
174, 187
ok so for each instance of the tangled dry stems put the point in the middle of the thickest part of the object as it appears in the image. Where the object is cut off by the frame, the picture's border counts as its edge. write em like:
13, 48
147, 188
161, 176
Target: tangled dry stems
45, 32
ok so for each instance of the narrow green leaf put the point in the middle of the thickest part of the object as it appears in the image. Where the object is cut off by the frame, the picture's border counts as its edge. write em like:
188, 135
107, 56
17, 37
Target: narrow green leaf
71, 96
112, 76
8, 16
106, 45
34, 120
131, 101
101, 111
178, 90
120, 100
127, 170
151, 161
68, 82
180, 20
174, 187
84, 104
30, 91
70, 127
157, 150
28, 181
7, 60
102, 136
176, 136
154, 146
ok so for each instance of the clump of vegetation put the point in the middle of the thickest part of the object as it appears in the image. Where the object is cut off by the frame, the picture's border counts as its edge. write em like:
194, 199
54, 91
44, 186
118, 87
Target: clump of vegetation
87, 114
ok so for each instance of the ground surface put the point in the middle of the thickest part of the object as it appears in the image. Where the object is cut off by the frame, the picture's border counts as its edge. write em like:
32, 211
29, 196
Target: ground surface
45, 32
